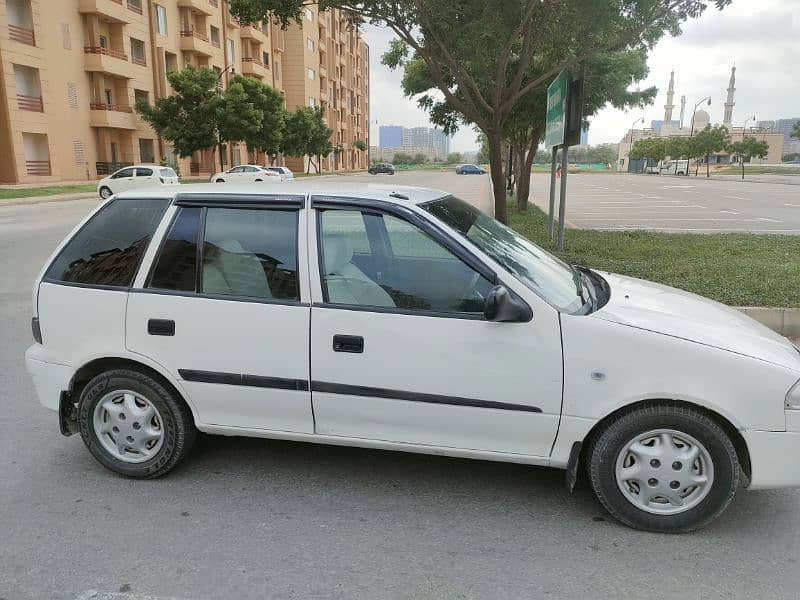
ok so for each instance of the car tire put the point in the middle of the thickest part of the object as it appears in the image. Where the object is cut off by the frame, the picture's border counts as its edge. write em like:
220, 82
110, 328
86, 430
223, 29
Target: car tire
170, 421
105, 192
613, 455
219, 181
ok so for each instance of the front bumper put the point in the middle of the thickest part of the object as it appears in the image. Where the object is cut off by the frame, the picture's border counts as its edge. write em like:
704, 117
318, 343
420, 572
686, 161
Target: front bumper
774, 458
49, 378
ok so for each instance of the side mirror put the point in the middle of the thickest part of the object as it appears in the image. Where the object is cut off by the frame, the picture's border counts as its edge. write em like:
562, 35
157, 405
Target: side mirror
504, 306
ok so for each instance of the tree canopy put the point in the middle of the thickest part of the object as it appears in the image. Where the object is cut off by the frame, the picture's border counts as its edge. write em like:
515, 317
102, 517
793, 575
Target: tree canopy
307, 134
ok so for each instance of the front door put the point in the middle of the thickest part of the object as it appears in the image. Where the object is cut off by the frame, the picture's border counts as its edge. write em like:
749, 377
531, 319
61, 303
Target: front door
227, 318
400, 350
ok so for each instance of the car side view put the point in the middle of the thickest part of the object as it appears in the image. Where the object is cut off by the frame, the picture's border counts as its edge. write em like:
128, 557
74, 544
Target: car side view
247, 173
379, 168
469, 170
403, 319
136, 176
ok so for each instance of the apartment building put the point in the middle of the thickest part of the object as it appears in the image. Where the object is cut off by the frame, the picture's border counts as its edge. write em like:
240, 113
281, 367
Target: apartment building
72, 71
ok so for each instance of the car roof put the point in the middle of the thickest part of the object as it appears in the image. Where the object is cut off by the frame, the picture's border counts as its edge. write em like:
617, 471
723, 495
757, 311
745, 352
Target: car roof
398, 194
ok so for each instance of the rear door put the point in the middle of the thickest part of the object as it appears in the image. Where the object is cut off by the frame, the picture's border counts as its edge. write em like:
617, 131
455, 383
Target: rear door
123, 180
400, 350
145, 177
224, 308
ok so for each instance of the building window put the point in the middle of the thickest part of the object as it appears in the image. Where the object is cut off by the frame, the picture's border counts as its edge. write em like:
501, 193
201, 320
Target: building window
277, 68
109, 96
311, 74
312, 102
103, 41
146, 154
231, 53
310, 44
309, 14
161, 20
141, 96
137, 52
265, 58
215, 36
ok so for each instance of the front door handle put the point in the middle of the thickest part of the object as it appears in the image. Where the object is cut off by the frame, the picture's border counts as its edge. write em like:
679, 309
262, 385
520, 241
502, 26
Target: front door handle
161, 327
348, 343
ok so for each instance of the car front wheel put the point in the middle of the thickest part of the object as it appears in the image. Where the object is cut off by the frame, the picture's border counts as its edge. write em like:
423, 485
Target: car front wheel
664, 468
105, 192
133, 424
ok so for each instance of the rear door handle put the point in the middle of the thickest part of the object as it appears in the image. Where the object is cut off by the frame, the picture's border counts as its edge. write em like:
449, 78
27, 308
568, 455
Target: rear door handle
161, 327
348, 343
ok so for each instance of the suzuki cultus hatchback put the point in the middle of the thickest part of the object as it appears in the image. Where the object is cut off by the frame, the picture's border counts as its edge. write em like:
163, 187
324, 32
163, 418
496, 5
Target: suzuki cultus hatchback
403, 319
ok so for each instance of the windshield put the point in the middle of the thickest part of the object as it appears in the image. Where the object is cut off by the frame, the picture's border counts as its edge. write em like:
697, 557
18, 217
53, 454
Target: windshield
551, 278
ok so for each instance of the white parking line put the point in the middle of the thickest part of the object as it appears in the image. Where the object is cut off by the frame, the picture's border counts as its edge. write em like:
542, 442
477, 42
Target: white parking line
687, 220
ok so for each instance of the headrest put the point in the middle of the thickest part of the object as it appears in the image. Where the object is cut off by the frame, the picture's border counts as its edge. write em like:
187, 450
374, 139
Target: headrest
231, 245
337, 251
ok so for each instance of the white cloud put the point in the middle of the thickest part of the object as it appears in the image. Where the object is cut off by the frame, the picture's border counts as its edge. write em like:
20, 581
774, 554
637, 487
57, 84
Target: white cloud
761, 36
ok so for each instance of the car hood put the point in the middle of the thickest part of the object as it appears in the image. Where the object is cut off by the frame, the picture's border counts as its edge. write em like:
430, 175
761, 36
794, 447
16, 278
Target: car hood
680, 314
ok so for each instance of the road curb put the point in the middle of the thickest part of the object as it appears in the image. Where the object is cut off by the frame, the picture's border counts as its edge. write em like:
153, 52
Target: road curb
785, 321
45, 199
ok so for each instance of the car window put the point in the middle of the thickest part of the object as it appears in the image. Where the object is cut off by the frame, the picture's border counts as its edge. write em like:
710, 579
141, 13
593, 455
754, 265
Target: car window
380, 260
167, 172
236, 170
245, 253
175, 268
250, 169
123, 173
143, 172
108, 248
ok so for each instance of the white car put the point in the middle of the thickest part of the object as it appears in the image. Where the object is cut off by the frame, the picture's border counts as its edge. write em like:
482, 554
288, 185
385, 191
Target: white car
247, 174
286, 172
403, 319
136, 177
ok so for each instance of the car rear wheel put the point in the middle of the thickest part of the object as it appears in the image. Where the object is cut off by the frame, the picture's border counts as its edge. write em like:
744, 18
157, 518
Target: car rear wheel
219, 181
105, 192
664, 468
133, 425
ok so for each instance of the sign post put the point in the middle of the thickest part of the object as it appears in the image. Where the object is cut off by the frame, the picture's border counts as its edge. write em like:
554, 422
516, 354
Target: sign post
562, 130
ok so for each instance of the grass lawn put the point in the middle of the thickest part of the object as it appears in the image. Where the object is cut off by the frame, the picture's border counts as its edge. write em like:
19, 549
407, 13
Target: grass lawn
52, 190
738, 269
756, 170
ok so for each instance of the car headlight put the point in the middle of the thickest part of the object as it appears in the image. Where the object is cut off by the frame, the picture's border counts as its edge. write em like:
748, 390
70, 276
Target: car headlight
793, 397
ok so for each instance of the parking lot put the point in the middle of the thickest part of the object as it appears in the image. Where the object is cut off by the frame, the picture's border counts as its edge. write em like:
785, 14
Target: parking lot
249, 518
677, 204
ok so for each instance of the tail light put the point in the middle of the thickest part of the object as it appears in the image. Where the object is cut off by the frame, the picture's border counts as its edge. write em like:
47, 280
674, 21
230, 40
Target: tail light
37, 331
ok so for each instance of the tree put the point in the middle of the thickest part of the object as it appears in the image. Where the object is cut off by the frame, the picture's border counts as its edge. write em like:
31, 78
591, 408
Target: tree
419, 158
706, 142
199, 115
748, 148
401, 158
604, 154
267, 137
796, 130
454, 158
307, 135
479, 54
360, 145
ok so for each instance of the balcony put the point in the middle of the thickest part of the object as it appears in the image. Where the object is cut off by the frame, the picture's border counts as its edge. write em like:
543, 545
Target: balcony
201, 6
252, 32
253, 66
116, 116
38, 167
323, 96
193, 40
113, 10
31, 103
104, 60
23, 35
107, 168
323, 72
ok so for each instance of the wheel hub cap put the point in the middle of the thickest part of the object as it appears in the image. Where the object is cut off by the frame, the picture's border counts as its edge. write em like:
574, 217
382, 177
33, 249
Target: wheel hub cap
664, 472
128, 426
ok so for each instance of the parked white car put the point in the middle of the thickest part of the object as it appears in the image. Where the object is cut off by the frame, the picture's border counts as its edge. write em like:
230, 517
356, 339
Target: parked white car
247, 174
285, 172
136, 177
402, 319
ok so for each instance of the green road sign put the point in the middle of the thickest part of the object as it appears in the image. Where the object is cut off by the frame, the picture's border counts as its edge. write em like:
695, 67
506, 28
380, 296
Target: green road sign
556, 105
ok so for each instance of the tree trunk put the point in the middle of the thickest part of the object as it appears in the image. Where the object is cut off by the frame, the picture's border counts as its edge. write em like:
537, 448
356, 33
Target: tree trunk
707, 169
498, 179
219, 151
524, 182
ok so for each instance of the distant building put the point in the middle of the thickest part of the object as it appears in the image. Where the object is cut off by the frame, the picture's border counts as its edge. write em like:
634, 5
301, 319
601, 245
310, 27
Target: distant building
584, 136
390, 136
658, 124
784, 126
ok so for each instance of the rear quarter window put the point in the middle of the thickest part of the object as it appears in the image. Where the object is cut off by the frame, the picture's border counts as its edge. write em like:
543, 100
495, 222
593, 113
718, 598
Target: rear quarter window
167, 172
107, 250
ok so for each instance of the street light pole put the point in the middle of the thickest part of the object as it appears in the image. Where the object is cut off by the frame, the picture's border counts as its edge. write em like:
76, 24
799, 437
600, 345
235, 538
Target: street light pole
232, 69
630, 141
691, 132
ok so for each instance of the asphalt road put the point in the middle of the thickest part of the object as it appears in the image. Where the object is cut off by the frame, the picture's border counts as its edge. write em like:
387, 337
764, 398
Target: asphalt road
246, 518
678, 204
